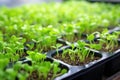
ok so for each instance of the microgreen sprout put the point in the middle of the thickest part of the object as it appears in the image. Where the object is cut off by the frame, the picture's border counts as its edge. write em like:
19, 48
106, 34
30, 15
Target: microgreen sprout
57, 46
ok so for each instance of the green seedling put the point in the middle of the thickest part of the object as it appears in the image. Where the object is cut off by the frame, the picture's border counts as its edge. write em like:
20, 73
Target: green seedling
57, 46
64, 53
91, 38
79, 51
92, 44
35, 56
30, 46
4, 62
44, 25
1, 46
83, 53
67, 31
110, 40
11, 74
23, 76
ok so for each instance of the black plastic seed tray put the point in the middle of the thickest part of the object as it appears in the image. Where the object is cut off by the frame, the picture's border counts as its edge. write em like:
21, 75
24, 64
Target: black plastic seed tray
90, 71
107, 64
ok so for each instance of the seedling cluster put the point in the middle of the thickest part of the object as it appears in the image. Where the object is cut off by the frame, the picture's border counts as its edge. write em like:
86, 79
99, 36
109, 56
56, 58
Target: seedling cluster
106, 42
77, 55
31, 31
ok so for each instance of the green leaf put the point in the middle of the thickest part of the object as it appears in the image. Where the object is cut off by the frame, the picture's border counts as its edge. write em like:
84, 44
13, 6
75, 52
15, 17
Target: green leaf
90, 37
63, 71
